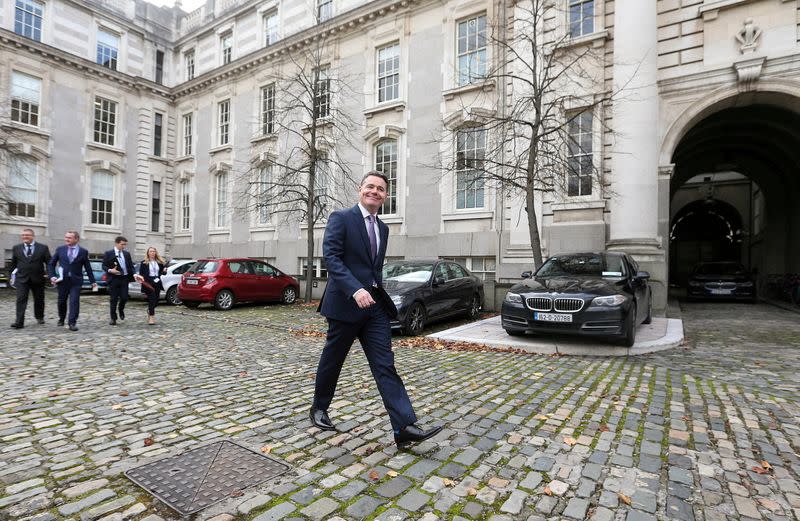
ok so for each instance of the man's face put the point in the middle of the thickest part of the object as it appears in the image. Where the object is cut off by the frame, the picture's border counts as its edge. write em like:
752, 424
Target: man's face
121, 245
372, 193
27, 237
70, 239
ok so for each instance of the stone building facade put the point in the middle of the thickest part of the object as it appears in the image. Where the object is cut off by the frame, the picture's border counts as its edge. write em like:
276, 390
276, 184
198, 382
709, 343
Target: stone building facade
123, 117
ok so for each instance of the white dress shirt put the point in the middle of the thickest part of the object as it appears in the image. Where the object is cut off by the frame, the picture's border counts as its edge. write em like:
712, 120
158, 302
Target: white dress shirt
365, 213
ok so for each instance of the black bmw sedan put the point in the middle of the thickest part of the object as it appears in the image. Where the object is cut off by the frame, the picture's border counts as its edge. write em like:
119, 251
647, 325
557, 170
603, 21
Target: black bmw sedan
429, 290
601, 293
721, 280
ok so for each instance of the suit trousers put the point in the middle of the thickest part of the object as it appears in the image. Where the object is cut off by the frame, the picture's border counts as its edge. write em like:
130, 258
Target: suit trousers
375, 334
22, 300
152, 300
69, 289
118, 292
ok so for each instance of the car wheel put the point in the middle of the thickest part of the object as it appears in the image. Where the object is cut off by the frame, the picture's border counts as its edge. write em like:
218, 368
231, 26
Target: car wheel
172, 295
514, 332
224, 300
415, 319
474, 310
629, 329
649, 318
191, 304
289, 295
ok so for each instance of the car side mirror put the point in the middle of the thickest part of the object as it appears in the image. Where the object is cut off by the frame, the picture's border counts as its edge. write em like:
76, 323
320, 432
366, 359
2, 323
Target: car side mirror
642, 275
438, 281
526, 274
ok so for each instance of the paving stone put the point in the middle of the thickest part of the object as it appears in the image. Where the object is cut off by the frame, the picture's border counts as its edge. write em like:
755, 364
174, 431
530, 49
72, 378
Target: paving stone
253, 503
279, 511
19, 487
394, 487
515, 502
76, 506
84, 487
320, 508
602, 514
391, 514
576, 508
636, 515
107, 508
413, 500
364, 506
746, 507
681, 476
531, 481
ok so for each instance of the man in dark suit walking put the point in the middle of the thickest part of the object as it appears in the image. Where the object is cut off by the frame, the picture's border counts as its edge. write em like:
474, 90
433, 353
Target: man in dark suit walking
356, 306
73, 260
29, 259
119, 266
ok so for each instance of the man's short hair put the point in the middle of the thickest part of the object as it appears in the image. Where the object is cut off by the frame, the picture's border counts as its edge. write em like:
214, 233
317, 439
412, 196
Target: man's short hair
120, 239
76, 234
375, 173
28, 230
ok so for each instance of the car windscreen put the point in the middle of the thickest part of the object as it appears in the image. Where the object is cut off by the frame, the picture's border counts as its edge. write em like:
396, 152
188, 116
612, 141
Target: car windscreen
407, 272
96, 265
590, 265
205, 267
720, 268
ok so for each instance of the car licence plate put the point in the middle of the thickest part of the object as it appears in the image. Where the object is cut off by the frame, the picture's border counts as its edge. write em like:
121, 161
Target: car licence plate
191, 282
720, 292
552, 317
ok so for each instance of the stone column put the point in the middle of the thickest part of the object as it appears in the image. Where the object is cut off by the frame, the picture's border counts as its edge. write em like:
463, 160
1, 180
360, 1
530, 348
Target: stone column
634, 171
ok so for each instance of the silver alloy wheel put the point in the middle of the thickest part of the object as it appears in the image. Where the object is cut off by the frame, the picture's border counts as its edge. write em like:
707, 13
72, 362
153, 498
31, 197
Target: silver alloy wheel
474, 307
224, 300
415, 321
289, 295
172, 296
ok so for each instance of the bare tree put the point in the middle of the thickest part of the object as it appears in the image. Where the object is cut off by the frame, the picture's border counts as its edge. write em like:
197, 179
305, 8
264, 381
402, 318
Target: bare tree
17, 173
303, 110
534, 139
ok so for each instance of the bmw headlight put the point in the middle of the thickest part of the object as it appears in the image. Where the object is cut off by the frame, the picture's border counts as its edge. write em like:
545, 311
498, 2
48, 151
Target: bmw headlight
695, 283
398, 300
514, 298
746, 284
611, 300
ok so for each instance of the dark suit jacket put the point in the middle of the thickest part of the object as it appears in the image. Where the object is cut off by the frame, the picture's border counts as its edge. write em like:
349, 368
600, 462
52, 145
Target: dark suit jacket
144, 271
31, 270
350, 268
110, 261
72, 270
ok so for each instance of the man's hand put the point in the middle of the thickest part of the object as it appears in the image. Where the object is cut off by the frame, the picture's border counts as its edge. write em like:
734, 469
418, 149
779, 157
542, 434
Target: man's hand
138, 278
363, 298
95, 287
114, 271
53, 280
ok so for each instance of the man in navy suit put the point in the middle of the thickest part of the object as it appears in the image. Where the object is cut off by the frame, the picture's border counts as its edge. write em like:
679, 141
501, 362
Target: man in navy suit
29, 260
118, 264
356, 306
73, 260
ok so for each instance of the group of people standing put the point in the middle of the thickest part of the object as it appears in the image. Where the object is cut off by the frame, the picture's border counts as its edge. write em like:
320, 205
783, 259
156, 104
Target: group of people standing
32, 266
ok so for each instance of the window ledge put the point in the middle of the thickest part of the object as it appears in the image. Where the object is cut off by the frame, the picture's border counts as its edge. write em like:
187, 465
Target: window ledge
486, 86
100, 146
391, 219
32, 221
221, 148
263, 228
26, 128
321, 123
596, 39
395, 105
160, 159
479, 214
182, 234
183, 158
102, 229
219, 232
578, 205
264, 137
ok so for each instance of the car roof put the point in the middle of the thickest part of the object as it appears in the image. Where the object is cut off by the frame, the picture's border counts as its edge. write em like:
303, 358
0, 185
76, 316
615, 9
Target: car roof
604, 252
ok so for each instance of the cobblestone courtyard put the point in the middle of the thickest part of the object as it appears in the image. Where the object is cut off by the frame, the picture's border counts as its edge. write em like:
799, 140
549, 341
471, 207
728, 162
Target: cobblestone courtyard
710, 431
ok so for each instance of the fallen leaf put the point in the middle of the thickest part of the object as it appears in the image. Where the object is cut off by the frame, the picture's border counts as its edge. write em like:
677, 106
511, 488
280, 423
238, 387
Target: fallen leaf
569, 440
374, 476
116, 406
625, 499
266, 449
448, 482
236, 493
604, 428
548, 491
243, 373
541, 417
124, 393
391, 473
472, 492
148, 442
766, 465
759, 470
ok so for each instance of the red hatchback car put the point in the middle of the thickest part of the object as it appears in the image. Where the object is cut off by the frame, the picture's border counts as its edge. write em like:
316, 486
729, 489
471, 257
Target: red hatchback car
224, 282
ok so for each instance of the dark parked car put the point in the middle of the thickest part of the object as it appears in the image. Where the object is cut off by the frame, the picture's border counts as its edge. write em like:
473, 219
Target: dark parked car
727, 280
424, 291
224, 282
100, 277
601, 293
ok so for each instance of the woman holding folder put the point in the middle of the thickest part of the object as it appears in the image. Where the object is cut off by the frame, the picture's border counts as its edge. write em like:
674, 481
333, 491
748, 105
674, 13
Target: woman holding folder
150, 271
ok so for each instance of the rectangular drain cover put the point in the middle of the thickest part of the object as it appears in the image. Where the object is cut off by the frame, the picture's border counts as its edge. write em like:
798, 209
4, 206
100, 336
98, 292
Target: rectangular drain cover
198, 478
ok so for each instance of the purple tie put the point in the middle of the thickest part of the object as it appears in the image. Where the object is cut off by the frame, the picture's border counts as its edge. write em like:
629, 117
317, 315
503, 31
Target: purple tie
71, 253
373, 241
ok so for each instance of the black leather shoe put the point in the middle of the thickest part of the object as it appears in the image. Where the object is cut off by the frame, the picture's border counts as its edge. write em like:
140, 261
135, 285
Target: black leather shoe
73, 327
413, 434
112, 322
17, 326
121, 315
40, 320
320, 420
60, 323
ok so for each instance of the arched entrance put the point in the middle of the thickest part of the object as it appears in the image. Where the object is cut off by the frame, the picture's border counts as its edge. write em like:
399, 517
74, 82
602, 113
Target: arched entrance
735, 188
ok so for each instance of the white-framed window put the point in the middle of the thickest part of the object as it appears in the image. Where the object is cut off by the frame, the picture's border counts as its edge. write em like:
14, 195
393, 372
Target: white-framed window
264, 193
581, 17
322, 92
322, 182
23, 186
389, 72
483, 267
107, 49
324, 10
188, 134
188, 63
185, 202
155, 206
320, 270
221, 200
28, 18
224, 121
226, 47
158, 133
25, 95
579, 155
471, 49
271, 27
102, 196
470, 152
105, 121
268, 109
386, 163
159, 66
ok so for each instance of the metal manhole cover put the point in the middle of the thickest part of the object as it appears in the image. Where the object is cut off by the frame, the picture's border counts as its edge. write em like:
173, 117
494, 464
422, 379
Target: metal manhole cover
198, 478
